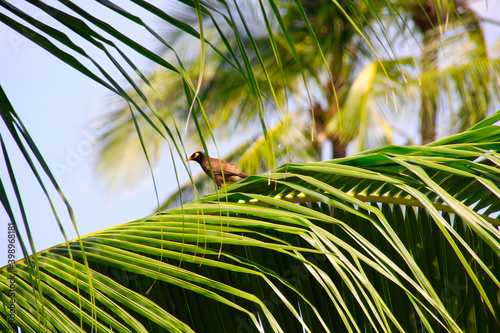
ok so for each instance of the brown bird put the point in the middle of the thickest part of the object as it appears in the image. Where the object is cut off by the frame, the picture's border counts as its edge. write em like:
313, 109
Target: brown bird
231, 173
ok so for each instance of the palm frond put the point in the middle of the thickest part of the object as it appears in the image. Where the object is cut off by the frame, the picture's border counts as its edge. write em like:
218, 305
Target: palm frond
393, 239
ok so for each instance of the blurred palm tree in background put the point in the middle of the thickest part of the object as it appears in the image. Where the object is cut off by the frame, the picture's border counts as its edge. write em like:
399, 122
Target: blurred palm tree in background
327, 69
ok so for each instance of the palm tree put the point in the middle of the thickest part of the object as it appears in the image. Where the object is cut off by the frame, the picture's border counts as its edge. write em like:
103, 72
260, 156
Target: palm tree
394, 239
430, 23
318, 74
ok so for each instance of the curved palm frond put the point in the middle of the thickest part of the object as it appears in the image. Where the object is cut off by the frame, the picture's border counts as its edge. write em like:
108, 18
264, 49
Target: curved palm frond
394, 239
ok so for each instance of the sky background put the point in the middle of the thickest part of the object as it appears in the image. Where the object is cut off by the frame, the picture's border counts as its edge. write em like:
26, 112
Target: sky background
57, 105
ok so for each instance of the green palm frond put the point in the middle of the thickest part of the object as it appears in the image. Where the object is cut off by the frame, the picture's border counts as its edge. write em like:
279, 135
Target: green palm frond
394, 239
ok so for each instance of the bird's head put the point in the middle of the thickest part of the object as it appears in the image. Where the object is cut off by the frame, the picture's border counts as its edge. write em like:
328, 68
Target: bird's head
198, 156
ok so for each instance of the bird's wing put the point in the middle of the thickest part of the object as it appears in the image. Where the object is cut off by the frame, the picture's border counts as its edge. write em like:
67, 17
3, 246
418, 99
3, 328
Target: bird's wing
229, 169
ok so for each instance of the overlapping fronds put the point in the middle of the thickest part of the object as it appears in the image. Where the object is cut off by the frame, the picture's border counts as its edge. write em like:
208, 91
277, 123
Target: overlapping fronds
396, 239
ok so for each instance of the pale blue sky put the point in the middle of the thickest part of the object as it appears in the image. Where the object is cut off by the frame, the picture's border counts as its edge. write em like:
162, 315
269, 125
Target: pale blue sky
56, 104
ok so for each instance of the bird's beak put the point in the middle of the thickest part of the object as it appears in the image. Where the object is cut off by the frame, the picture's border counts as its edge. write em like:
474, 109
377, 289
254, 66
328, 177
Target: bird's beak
189, 159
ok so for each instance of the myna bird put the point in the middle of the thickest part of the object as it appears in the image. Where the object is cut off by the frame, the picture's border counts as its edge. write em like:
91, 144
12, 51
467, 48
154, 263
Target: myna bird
231, 173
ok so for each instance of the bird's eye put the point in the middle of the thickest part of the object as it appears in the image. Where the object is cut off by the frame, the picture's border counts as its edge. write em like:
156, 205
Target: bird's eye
196, 155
